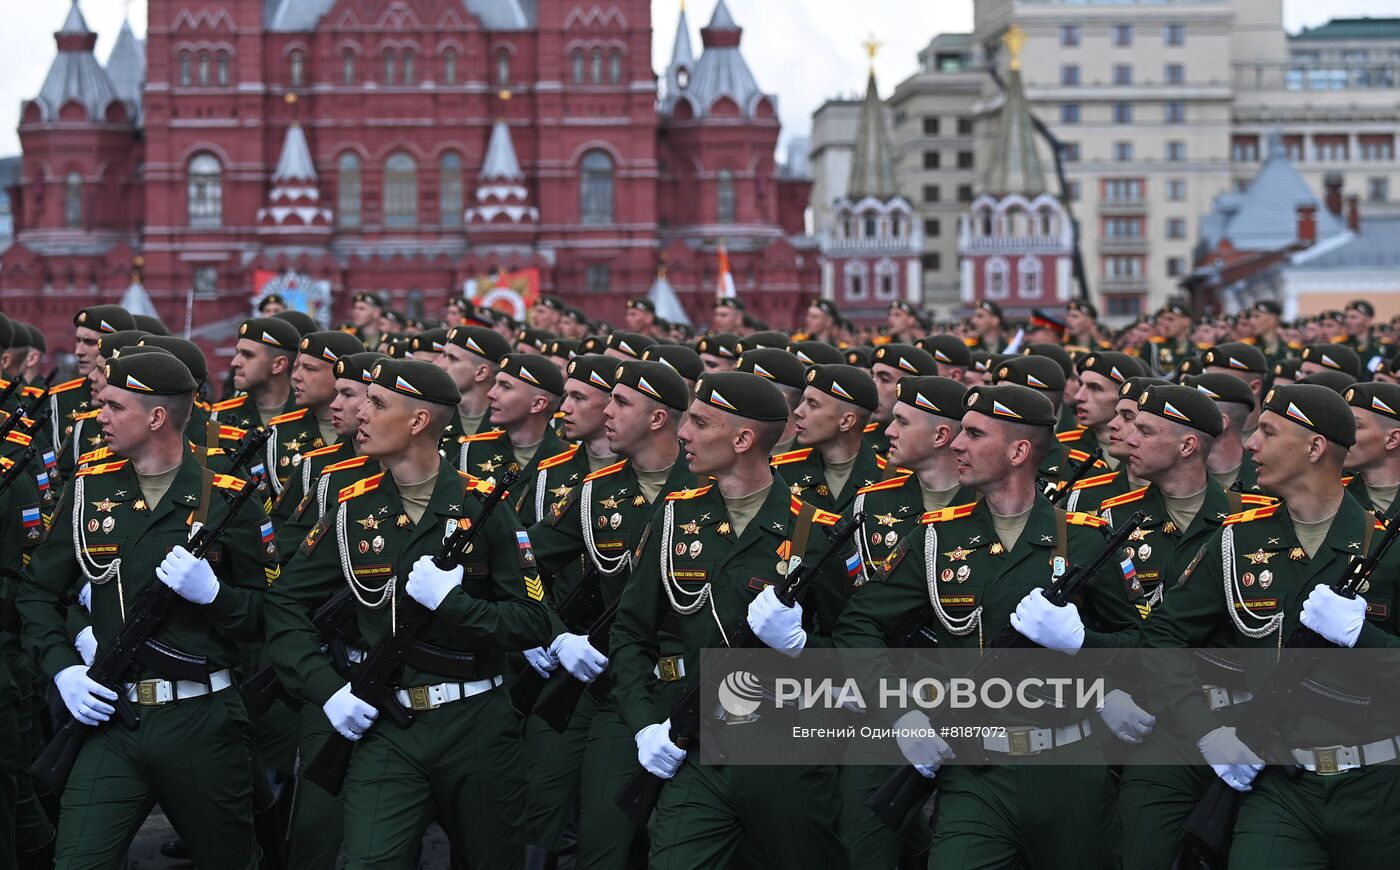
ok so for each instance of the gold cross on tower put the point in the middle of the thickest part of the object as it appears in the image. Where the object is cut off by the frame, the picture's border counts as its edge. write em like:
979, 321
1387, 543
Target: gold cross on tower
1014, 39
872, 47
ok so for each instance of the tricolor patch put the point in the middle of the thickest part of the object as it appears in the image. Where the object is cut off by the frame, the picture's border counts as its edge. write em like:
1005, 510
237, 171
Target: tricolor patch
1329, 362
327, 354
1211, 393
104, 326
474, 347
1378, 405
853, 564
265, 531
1169, 411
598, 380
526, 376
269, 339
717, 399
133, 384
401, 384
841, 391
1297, 414
50, 460
921, 402
1236, 364
942, 357
908, 366
760, 370
1001, 410
30, 517
1128, 568
522, 544
648, 388
807, 360
1116, 375
1033, 381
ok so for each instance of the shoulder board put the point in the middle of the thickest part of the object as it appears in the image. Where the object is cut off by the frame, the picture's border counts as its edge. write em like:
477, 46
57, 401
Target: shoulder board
6, 463
290, 416
203, 406
18, 438
948, 513
892, 483
881, 462
1077, 518
687, 493
476, 484
559, 415
1248, 339
228, 481
102, 469
1125, 498
1346, 481
231, 433
870, 427
352, 462
604, 472
31, 392
1157, 339
791, 456
558, 458
1097, 480
484, 436
94, 455
201, 450
69, 385
1259, 513
1071, 435
229, 404
321, 451
360, 487
1257, 499
970, 342
1078, 455
88, 415
826, 518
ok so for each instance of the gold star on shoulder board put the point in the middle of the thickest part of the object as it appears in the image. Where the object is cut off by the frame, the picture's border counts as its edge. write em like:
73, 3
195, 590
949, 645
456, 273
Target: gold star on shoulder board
886, 519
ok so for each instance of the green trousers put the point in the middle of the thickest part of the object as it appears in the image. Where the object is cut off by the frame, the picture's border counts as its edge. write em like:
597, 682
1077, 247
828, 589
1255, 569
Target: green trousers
318, 816
462, 765
193, 757
276, 733
32, 829
1153, 803
1345, 820
605, 834
870, 842
555, 765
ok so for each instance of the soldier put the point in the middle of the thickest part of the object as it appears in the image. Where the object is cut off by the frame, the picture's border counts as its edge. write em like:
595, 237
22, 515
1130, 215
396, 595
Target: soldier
718, 351
888, 364
188, 353
1361, 338
627, 345
129, 522
1171, 342
1045, 376
728, 315
527, 391
833, 459
906, 324
813, 353
1229, 463
987, 328
428, 345
820, 323
1101, 375
471, 356
1082, 327
71, 398
365, 311
1285, 372
38, 346
1318, 358
546, 312
1090, 491
1374, 461
1264, 321
1242, 361
82, 439
640, 317
789, 375
15, 352
262, 373
948, 351
461, 762
302, 322
683, 359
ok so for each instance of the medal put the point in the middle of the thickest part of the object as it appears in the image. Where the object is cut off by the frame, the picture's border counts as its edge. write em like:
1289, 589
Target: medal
105, 505
691, 528
957, 555
1247, 579
875, 538
369, 523
108, 524
615, 521
781, 568
1259, 557
946, 575
377, 544
885, 519
891, 538
93, 525
1266, 579
602, 522
964, 572
695, 548
364, 547
680, 549
1145, 552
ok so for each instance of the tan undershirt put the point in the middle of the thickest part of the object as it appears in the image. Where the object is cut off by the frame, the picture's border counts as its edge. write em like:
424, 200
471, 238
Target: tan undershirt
1382, 497
785, 447
1183, 510
525, 452
328, 433
597, 462
652, 481
744, 508
471, 423
1009, 529
154, 486
1110, 461
416, 496
1226, 479
266, 414
1311, 535
937, 499
837, 473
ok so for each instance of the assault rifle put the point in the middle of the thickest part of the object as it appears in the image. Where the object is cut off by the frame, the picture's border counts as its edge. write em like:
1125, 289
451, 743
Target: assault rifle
562, 693
17, 468
579, 607
1057, 492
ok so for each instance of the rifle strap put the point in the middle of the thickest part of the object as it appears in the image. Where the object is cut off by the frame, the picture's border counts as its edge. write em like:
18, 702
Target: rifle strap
1367, 535
802, 530
206, 495
1062, 534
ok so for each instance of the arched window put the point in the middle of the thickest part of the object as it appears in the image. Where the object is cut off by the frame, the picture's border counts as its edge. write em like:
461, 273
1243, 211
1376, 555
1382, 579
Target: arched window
203, 69
724, 196
596, 188
449, 66
348, 186
73, 201
297, 69
1028, 273
347, 67
997, 278
400, 191
185, 77
896, 225
857, 277
206, 192
502, 67
615, 67
408, 63
576, 64
871, 225
222, 69
595, 66
391, 66
450, 188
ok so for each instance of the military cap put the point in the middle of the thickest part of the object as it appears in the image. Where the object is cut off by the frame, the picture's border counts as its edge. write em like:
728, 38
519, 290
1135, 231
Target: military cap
846, 383
416, 379
271, 331
1054, 352
398, 317
990, 307
1338, 357
908, 308
1333, 314
104, 318
19, 334
1112, 364
429, 340
109, 344
818, 353
947, 349
907, 358
933, 395
1222, 388
271, 298
828, 307
369, 297
984, 361
1363, 306
593, 343
36, 338
1012, 403
764, 338
1268, 306
721, 344
488, 344
1316, 408
743, 394
7, 333
1133, 388
655, 379
156, 373
358, 366
185, 351
150, 325
1182, 405
730, 302
329, 345
630, 343
754, 324
397, 346
535, 370
642, 304
1037, 372
1332, 380
563, 348
575, 314
1383, 399
1175, 307
302, 322
1236, 355
683, 359
552, 302
1191, 365
594, 369
1084, 308
539, 339
1288, 368
776, 365
861, 356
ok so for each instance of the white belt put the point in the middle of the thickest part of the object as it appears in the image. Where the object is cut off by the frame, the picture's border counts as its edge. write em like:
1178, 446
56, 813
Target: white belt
1329, 760
153, 693
1033, 741
1219, 697
432, 697
669, 669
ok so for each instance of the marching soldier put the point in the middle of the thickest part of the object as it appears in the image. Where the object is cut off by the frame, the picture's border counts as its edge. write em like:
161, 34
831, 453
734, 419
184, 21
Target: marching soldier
1090, 491
308, 427
187, 352
1264, 321
262, 374
1045, 376
834, 459
905, 323
719, 351
73, 397
1082, 327
988, 331
1101, 375
1243, 361
1229, 463
1361, 338
1374, 461
1171, 342
683, 359
428, 345
471, 355
789, 375
728, 315
888, 364
949, 352
366, 310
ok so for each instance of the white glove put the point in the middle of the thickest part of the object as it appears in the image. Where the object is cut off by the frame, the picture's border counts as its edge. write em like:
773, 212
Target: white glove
923, 748
776, 624
1230, 758
656, 752
1334, 617
85, 597
542, 661
1050, 626
191, 578
86, 645
428, 584
1128, 722
578, 656
348, 715
84, 697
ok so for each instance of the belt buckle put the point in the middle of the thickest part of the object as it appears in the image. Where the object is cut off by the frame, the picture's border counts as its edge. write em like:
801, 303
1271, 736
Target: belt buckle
146, 693
419, 698
1020, 741
669, 669
1326, 762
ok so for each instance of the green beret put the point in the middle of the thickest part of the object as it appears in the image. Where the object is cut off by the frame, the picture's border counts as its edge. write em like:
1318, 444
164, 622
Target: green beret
138, 349
827, 306
818, 353
1012, 403
1084, 308
155, 373
859, 356
271, 331
1316, 408
429, 340
104, 318
1237, 356
683, 359
630, 343
1191, 365
778, 366
302, 322
1268, 306
594, 344
1054, 352
358, 366
1288, 368
932, 394
1175, 308
110, 343
984, 361
594, 369
370, 297
19, 334
642, 304
1220, 387
7, 333
990, 307
1182, 405
1112, 364
396, 346
488, 344
847, 383
1337, 357
329, 345
1363, 306
743, 394
416, 379
186, 352
655, 379
1330, 379
562, 348
721, 344
730, 302
1383, 399
1037, 372
398, 318
1133, 388
269, 298
553, 303
150, 325
907, 358
36, 338
539, 339
764, 338
947, 349
535, 370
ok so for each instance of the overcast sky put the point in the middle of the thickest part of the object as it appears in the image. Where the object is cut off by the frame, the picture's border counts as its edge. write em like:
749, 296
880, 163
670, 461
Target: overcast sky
802, 50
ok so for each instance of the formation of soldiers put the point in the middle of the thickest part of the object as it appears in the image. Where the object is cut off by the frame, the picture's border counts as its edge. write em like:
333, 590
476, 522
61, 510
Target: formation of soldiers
480, 559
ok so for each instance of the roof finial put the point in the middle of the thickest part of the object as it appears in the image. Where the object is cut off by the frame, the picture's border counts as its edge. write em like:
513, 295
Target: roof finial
872, 48
682, 5
1014, 39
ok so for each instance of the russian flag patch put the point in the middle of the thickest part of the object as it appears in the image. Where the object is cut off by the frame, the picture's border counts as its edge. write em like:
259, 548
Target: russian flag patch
266, 531
853, 564
30, 517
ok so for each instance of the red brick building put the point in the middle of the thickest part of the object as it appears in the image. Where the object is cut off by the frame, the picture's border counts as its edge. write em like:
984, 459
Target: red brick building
405, 146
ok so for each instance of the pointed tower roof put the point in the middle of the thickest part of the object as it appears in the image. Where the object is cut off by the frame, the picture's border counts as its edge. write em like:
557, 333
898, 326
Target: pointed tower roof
75, 75
502, 199
126, 67
872, 169
721, 70
295, 163
501, 164
1015, 166
75, 25
682, 58
1265, 216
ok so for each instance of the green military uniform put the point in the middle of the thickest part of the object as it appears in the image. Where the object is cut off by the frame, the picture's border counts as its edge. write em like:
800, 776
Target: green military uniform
1090, 492
1161, 356
489, 454
807, 472
456, 428
241, 412
66, 401
1275, 351
877, 439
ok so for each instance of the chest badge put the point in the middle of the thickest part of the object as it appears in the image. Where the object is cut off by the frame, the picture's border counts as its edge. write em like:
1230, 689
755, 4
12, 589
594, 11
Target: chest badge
104, 506
964, 572
997, 549
108, 524
724, 528
886, 519
1260, 557
1145, 552
369, 523
377, 545
695, 548
1266, 579
1297, 554
957, 555
139, 506
691, 528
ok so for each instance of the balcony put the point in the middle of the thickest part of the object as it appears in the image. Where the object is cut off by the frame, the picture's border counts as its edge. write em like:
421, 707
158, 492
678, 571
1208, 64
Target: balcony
1122, 245
1123, 206
1123, 284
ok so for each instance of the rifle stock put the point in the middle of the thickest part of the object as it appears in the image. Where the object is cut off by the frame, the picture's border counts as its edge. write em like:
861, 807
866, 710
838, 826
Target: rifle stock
1057, 492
